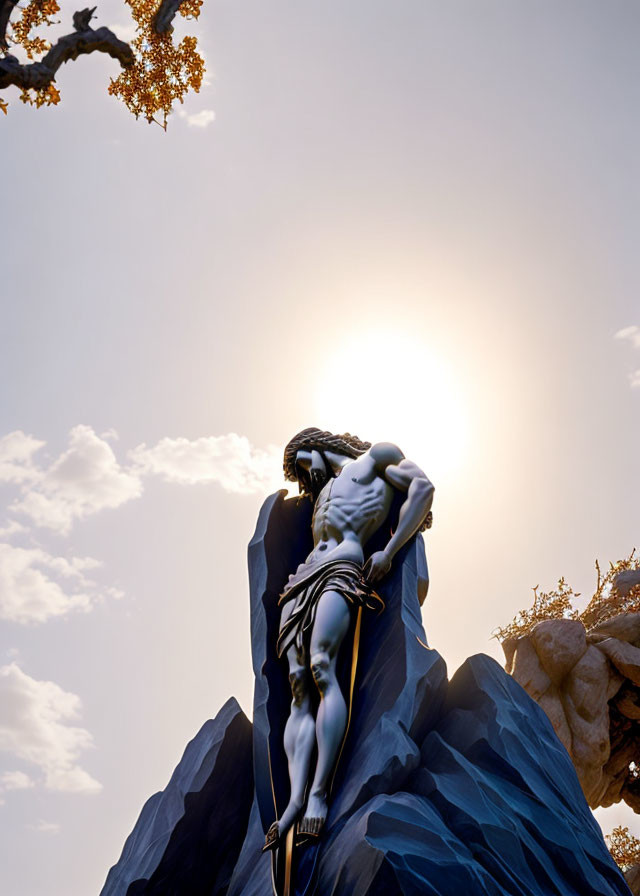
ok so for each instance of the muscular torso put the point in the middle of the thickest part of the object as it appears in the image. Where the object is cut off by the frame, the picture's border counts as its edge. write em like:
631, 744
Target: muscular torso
348, 511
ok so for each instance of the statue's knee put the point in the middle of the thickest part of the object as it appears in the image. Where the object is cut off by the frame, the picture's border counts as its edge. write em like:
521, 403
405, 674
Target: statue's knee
298, 682
320, 666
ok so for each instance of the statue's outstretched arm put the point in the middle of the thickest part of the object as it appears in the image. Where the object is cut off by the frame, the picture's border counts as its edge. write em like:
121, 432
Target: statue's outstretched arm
407, 477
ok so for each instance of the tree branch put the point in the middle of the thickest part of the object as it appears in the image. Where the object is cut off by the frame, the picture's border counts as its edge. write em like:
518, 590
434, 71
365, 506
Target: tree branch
6, 8
165, 15
38, 75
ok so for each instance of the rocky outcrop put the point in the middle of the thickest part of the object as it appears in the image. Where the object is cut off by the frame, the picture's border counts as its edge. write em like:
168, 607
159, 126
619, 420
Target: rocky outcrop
588, 683
488, 805
494, 807
188, 836
632, 877
443, 787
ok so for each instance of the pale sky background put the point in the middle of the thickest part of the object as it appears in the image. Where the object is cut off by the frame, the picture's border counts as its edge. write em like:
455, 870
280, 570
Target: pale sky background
417, 221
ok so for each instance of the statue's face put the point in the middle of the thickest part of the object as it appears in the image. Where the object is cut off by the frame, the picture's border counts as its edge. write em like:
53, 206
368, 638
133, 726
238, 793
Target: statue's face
312, 471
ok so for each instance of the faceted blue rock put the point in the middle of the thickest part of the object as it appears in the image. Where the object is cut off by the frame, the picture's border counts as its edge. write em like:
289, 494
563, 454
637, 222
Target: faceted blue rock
456, 788
442, 788
495, 807
281, 541
188, 836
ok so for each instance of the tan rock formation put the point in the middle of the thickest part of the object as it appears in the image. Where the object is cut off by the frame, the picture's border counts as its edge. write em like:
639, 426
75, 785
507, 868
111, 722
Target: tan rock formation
632, 877
588, 683
559, 644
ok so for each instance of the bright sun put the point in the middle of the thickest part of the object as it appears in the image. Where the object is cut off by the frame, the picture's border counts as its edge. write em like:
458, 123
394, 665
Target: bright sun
385, 386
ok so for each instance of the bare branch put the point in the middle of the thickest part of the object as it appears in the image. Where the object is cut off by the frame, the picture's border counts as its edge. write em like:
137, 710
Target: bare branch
38, 75
6, 8
165, 15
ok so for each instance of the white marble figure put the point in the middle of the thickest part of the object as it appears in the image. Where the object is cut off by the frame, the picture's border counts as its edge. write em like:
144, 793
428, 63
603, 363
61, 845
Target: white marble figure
352, 484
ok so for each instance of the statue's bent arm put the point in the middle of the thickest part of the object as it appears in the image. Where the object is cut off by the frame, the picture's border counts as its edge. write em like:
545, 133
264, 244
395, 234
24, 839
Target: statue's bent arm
406, 476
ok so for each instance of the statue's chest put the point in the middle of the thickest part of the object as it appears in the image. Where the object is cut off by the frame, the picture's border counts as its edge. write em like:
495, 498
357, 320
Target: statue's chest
350, 496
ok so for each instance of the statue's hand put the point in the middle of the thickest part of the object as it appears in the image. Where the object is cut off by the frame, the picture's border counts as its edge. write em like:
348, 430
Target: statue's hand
377, 566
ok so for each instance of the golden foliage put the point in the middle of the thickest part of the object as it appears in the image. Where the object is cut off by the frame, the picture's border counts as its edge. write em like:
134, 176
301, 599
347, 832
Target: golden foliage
162, 72
190, 9
554, 604
35, 14
47, 96
624, 847
607, 602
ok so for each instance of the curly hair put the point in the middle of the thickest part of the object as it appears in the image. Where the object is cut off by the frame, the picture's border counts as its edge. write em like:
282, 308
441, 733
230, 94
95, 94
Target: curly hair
320, 440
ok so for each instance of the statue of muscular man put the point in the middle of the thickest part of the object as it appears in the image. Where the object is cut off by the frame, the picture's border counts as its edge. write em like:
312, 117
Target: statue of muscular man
352, 485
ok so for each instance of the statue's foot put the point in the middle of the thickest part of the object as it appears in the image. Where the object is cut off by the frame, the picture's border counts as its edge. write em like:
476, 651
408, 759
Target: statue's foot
272, 839
314, 817
278, 830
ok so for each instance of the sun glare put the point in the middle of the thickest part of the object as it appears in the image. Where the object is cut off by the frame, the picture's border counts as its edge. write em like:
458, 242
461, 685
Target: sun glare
385, 386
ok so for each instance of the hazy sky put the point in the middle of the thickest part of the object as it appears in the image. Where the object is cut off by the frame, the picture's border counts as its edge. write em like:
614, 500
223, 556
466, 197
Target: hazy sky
417, 221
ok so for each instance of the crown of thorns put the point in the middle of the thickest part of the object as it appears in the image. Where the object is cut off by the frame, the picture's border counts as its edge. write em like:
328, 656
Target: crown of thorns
320, 439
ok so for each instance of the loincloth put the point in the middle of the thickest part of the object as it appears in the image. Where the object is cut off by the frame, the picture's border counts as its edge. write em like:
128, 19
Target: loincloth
306, 588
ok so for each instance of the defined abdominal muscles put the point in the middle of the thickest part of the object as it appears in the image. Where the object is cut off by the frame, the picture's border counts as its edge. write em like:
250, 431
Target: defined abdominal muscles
330, 549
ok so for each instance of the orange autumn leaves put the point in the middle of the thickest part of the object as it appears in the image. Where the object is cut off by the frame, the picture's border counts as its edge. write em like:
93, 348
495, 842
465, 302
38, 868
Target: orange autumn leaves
34, 14
48, 96
624, 847
162, 72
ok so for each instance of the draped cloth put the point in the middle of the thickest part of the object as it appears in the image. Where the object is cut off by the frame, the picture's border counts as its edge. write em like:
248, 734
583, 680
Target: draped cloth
307, 586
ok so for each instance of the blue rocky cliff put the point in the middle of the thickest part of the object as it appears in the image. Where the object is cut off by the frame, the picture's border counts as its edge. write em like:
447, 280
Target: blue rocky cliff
188, 836
444, 787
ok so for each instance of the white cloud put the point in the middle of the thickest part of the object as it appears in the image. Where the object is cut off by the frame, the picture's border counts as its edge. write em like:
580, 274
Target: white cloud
634, 379
45, 827
631, 333
87, 477
229, 460
201, 119
115, 593
12, 528
34, 728
16, 781
197, 119
16, 457
84, 479
35, 585
125, 32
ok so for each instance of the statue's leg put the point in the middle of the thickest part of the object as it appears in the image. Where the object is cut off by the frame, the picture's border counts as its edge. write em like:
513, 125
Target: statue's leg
330, 627
299, 741
299, 738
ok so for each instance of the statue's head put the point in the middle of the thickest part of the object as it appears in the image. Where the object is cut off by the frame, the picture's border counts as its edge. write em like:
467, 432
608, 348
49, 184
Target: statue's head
311, 480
